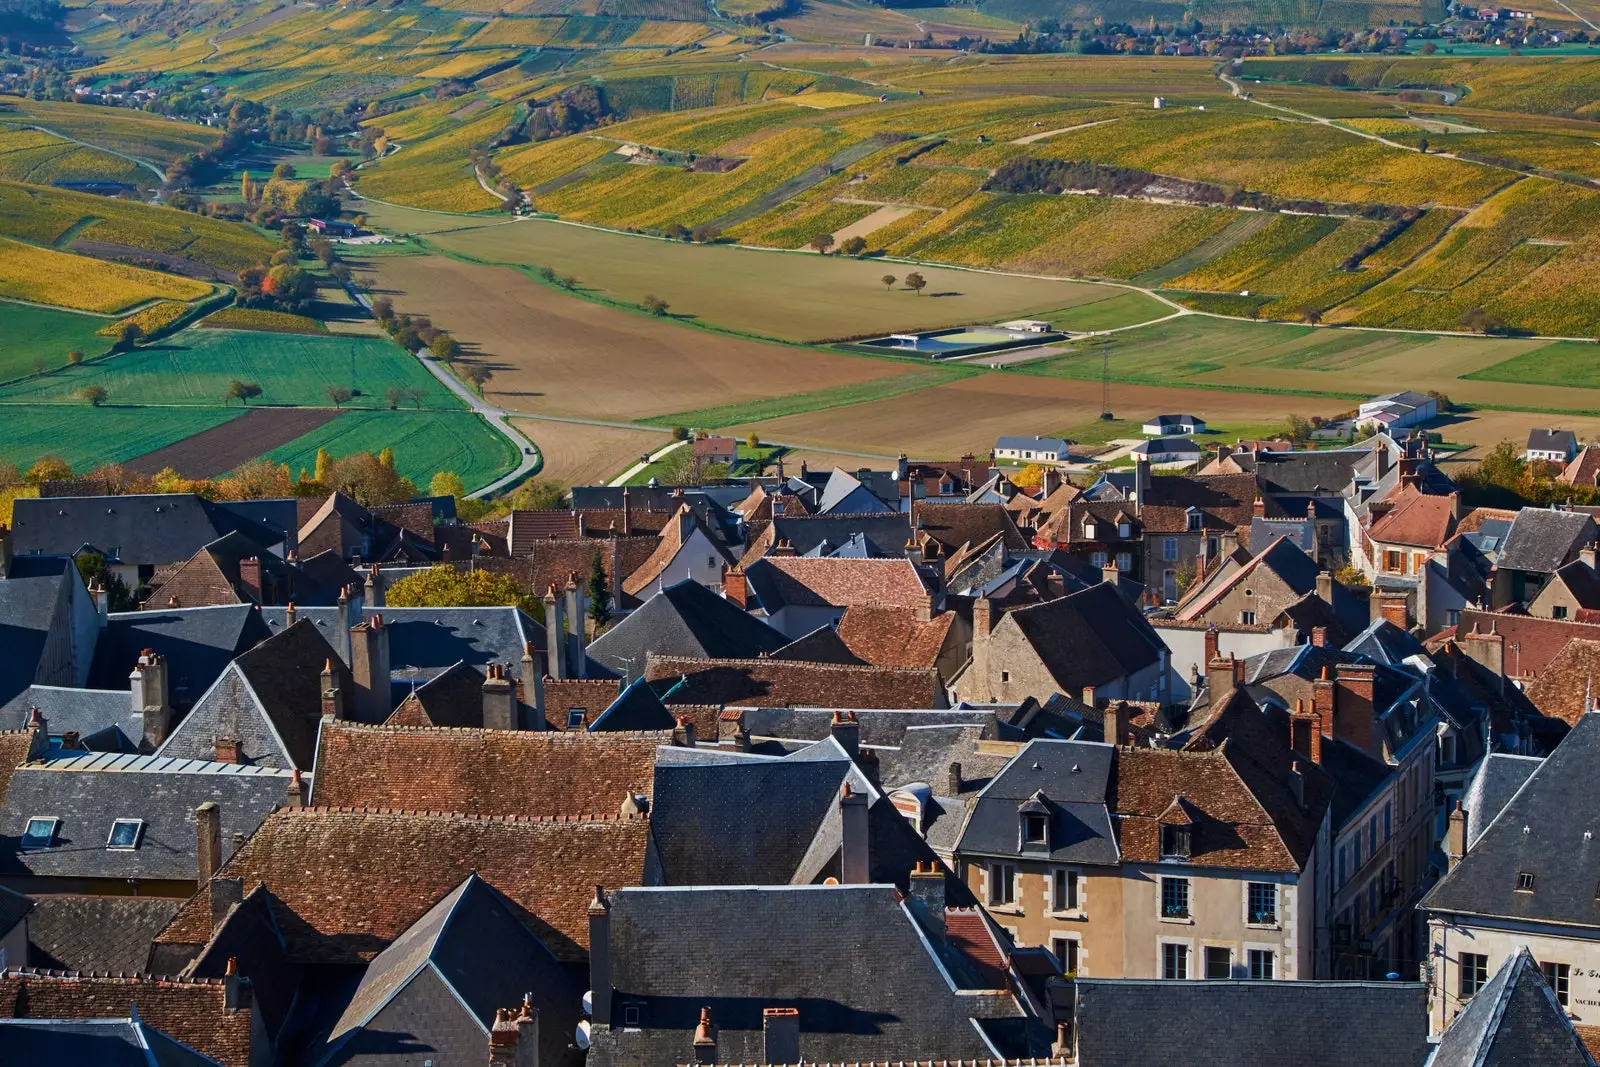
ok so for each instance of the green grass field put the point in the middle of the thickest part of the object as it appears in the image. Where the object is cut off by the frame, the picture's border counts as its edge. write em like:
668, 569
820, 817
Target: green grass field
90, 437
1562, 363
1116, 310
777, 407
194, 368
424, 443
35, 333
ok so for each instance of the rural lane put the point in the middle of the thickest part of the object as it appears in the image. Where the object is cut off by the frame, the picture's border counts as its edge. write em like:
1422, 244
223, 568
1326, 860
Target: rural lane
145, 163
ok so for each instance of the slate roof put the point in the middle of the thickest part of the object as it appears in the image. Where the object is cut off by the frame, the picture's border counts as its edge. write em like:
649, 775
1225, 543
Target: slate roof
1165, 449
637, 707
483, 772
1514, 1021
685, 619
1540, 541
739, 950
1539, 831
689, 680
1036, 444
345, 882
1491, 787
1323, 472
1250, 1024
87, 791
30, 608
1072, 780
104, 718
426, 642
137, 530
269, 700
453, 698
103, 1042
822, 645
89, 933
793, 581
845, 494
197, 643
887, 534
1563, 441
441, 982
1089, 637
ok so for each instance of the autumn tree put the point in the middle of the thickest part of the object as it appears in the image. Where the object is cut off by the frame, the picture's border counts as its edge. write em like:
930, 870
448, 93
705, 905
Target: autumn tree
821, 243
916, 282
244, 392
888, 281
479, 376
655, 305
853, 246
445, 587
94, 394
339, 395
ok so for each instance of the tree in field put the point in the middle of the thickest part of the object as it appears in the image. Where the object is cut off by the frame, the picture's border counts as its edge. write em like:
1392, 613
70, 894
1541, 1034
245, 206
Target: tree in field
655, 305
339, 395
479, 376
446, 587
753, 442
1480, 321
386, 459
822, 242
853, 246
391, 396
283, 170
568, 282
598, 591
445, 349
916, 282
94, 394
128, 334
1310, 315
47, 469
244, 392
383, 309
75, 356
888, 281
680, 433
414, 396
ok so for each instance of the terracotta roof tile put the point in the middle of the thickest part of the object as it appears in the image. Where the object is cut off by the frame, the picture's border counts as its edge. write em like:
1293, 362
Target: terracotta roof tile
189, 1010
197, 583
834, 582
1225, 501
953, 524
592, 695
1537, 640
787, 683
971, 936
1565, 687
1416, 518
523, 528
483, 772
346, 882
1584, 468
887, 636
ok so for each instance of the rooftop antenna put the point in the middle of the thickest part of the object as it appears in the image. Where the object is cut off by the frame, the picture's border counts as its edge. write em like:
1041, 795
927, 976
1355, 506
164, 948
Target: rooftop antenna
1105, 380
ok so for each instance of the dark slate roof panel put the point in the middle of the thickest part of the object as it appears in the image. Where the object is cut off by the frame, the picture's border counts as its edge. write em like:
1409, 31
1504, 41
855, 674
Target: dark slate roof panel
636, 708
28, 609
822, 645
84, 711
102, 1042
686, 619
197, 643
426, 642
1491, 788
137, 530
1541, 540
87, 933
1073, 778
1514, 1021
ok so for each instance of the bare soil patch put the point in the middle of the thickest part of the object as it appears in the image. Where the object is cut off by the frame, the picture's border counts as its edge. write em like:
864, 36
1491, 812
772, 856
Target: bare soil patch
967, 415
555, 354
875, 221
129, 254
222, 448
587, 455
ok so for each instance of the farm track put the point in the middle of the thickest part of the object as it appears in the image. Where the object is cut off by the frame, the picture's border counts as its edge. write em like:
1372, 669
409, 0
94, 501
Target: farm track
145, 163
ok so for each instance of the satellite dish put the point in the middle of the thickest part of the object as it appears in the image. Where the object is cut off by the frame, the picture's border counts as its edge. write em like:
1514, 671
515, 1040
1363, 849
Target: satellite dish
588, 1002
581, 1036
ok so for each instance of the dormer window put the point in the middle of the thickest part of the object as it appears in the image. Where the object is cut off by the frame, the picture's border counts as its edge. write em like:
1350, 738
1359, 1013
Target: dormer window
1035, 830
1175, 841
40, 832
125, 834
1195, 519
1124, 530
1088, 531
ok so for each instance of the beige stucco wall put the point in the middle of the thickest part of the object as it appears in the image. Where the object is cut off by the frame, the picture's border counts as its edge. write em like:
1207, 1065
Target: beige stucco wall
1498, 941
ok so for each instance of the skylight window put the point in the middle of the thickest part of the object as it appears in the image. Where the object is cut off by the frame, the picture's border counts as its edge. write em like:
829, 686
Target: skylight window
41, 832
1524, 881
125, 834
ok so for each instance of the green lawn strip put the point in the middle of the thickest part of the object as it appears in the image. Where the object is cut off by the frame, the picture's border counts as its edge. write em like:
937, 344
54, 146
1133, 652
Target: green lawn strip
195, 367
1110, 313
424, 443
88, 437
817, 400
35, 333
1571, 363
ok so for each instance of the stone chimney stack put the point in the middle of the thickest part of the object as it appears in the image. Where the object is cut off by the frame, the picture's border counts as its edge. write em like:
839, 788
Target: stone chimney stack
227, 749
600, 958
332, 695
375, 586
705, 1039
39, 742
533, 684
208, 841
1354, 717
499, 701
845, 728
555, 633
99, 594
369, 663
297, 790
1455, 837
855, 867
577, 628
927, 898
1211, 639
1220, 676
683, 735
954, 783
514, 1038
731, 731
151, 698
982, 618
780, 1035
349, 610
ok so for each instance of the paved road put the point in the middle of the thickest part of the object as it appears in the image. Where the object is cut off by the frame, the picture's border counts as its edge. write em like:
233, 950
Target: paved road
627, 475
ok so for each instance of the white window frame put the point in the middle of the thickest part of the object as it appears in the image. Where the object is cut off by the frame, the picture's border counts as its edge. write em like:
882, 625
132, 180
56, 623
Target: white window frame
138, 835
1097, 559
1186, 943
1252, 952
55, 829
1277, 906
1205, 964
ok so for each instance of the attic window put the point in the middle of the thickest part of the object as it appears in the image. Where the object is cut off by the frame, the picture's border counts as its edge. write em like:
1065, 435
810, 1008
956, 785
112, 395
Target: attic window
1175, 842
575, 717
125, 834
1194, 520
40, 832
1088, 531
1035, 830
1249, 592
1124, 530
1524, 881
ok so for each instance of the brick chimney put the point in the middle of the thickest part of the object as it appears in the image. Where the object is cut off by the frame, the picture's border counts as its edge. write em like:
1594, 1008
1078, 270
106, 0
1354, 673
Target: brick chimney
208, 840
845, 728
927, 898
369, 663
731, 731
250, 578
514, 1038
1322, 699
784, 547
683, 735
780, 1035
332, 695
555, 630
705, 1039
297, 790
499, 701
854, 848
222, 894
1305, 733
227, 750
151, 698
1353, 713
533, 666
1319, 636
734, 586
982, 618
600, 958
1391, 606
1212, 637
1455, 837
39, 742
1258, 509
1220, 675
1121, 727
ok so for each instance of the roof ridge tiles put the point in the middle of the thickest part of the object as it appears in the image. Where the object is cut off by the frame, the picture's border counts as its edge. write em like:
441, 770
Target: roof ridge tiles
554, 736
597, 817
842, 668
126, 976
